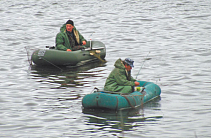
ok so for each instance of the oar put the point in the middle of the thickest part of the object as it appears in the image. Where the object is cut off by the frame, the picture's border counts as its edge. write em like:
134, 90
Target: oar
96, 53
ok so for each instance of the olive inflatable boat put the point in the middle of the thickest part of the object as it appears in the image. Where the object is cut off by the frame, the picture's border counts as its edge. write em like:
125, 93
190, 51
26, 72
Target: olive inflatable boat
115, 101
93, 50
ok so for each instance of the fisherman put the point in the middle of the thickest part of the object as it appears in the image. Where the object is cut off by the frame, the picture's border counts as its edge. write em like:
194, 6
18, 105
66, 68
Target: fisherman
120, 79
69, 38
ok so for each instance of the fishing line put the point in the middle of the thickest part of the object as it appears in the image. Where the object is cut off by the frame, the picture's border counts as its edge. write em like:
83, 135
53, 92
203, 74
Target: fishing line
53, 64
30, 61
142, 65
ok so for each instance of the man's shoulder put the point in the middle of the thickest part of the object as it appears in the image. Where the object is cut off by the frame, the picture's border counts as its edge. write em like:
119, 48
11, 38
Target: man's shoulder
60, 34
118, 70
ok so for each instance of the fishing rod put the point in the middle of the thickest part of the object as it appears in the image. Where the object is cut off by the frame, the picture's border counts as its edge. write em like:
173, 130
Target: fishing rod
28, 56
91, 40
142, 65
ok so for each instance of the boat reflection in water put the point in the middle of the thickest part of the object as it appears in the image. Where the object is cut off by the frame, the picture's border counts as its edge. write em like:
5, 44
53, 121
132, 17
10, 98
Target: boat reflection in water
66, 76
123, 119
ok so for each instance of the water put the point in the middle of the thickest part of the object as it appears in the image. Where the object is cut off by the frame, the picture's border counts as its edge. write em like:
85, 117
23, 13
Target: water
45, 102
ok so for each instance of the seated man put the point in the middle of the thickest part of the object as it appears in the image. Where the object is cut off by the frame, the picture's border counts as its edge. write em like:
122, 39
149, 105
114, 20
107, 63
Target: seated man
69, 38
120, 79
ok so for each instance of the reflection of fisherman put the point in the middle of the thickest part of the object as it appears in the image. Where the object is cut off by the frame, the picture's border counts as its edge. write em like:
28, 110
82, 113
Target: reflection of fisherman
69, 38
120, 79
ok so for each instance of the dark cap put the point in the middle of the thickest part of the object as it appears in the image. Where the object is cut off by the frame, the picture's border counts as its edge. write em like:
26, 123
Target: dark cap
129, 62
70, 22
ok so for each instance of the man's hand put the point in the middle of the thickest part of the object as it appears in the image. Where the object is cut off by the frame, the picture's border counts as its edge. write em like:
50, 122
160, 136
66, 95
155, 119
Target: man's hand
137, 83
83, 42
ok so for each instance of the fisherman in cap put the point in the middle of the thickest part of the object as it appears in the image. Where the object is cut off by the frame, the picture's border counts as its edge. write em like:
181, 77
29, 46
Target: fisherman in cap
69, 38
120, 79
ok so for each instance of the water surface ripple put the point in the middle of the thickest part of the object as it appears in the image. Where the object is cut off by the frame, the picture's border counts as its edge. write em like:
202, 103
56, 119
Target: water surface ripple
46, 102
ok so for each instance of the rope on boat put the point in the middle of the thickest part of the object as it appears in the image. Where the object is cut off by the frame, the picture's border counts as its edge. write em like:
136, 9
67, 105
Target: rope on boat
128, 101
124, 95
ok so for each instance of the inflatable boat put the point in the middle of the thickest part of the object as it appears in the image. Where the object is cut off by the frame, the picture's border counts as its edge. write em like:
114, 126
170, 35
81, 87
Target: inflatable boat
94, 50
116, 101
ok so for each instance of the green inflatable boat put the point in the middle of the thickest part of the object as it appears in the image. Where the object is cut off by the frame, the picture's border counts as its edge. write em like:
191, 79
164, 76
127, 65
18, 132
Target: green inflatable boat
93, 50
115, 101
